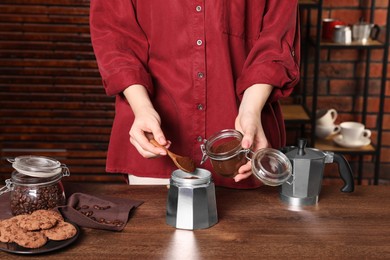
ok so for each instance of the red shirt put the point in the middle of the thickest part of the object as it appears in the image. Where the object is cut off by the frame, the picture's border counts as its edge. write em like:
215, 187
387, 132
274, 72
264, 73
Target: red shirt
196, 58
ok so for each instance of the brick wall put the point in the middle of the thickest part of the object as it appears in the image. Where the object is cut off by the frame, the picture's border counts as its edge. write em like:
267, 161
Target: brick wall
52, 102
341, 78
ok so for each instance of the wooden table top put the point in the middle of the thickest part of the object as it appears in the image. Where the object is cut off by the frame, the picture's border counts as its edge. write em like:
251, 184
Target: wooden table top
253, 224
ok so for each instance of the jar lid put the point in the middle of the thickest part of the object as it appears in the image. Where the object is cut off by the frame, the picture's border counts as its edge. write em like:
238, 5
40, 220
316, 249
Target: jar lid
271, 166
36, 166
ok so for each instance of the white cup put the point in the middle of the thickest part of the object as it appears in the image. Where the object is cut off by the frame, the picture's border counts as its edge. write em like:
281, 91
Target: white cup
353, 132
326, 117
323, 131
342, 34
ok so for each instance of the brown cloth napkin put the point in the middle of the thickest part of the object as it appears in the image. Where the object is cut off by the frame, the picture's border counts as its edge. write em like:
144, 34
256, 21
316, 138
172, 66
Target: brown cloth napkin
98, 212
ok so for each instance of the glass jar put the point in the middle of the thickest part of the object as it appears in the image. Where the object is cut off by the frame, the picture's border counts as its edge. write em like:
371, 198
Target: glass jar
226, 155
225, 152
35, 184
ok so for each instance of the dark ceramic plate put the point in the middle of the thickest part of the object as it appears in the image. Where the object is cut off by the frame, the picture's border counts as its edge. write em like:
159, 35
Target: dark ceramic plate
51, 245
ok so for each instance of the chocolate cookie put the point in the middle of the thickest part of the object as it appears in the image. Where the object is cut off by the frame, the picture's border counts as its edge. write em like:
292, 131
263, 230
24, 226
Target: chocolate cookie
63, 230
29, 239
9, 228
40, 219
49, 214
6, 231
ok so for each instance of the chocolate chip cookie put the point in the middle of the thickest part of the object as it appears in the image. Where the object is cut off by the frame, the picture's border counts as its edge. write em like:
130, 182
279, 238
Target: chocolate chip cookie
40, 219
30, 239
63, 230
9, 228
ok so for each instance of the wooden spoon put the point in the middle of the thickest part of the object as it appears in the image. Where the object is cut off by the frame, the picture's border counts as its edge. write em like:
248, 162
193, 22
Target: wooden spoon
183, 163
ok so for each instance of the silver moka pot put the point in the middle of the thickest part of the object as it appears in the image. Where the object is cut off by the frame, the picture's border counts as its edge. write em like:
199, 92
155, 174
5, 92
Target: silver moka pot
304, 186
191, 202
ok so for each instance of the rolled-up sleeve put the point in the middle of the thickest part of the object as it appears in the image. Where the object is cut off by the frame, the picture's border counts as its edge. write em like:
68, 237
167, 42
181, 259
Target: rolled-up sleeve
120, 46
274, 58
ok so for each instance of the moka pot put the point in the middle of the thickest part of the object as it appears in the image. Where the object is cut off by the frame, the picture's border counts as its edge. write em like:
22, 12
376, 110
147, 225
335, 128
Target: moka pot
304, 186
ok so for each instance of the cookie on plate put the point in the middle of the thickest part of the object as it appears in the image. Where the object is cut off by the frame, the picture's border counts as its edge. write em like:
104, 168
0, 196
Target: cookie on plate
63, 230
48, 213
10, 227
40, 219
29, 239
6, 233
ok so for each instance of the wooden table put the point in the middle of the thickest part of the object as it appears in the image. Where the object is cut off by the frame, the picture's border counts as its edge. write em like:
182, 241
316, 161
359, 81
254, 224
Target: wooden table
253, 224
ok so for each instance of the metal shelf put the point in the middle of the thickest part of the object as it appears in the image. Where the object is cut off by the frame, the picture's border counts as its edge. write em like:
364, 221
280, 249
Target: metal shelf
371, 44
329, 145
316, 42
295, 114
308, 3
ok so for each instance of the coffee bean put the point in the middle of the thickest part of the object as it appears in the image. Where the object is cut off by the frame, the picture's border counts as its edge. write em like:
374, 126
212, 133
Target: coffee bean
101, 207
26, 199
117, 223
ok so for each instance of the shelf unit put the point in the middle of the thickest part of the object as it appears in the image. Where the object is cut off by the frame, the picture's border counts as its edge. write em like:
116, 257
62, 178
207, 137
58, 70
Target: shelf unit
316, 42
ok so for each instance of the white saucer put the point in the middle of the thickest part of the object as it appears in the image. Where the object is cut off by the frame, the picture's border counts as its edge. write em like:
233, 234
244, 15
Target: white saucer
338, 139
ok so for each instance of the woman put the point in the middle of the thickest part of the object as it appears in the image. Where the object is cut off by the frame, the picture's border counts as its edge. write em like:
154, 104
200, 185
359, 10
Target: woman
184, 70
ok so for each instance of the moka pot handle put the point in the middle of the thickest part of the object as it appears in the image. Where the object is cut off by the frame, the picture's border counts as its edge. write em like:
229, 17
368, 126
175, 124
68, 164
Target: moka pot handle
345, 173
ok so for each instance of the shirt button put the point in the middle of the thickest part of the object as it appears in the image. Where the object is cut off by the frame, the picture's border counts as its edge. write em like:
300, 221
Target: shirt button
199, 139
199, 42
293, 53
198, 8
200, 107
200, 75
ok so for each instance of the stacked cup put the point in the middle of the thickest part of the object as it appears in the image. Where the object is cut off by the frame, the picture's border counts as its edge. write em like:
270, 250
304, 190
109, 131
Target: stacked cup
325, 123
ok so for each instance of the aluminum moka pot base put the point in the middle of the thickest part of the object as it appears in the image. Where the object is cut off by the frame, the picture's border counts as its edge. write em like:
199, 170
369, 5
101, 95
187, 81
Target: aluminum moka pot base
191, 202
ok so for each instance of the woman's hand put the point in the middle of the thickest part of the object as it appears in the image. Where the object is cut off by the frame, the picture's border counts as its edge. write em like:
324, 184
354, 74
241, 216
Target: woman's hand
147, 123
248, 122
